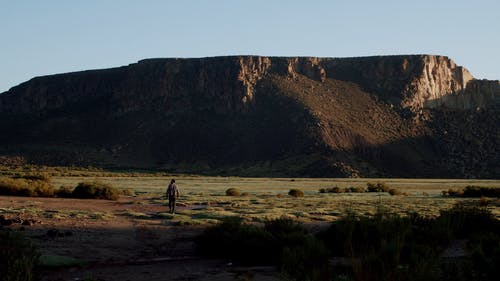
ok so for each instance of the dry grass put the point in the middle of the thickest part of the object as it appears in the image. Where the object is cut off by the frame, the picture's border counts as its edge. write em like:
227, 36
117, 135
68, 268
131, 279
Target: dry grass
204, 198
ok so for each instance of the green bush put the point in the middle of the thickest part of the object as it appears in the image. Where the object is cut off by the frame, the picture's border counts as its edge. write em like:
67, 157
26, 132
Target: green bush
377, 187
95, 190
18, 257
233, 192
296, 193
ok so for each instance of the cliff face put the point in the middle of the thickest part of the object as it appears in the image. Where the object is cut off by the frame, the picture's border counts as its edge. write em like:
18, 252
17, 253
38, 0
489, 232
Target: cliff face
248, 114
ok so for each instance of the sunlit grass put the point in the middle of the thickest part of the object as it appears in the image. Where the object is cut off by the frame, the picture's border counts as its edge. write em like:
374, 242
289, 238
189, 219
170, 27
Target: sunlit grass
203, 199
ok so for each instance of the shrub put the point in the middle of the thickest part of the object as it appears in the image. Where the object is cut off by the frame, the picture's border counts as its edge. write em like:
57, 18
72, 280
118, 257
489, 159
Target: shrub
16, 187
377, 187
394, 191
322, 190
21, 186
357, 189
95, 190
336, 189
453, 192
127, 192
463, 221
233, 192
64, 192
250, 244
307, 261
42, 188
479, 191
484, 201
35, 177
296, 193
236, 241
18, 257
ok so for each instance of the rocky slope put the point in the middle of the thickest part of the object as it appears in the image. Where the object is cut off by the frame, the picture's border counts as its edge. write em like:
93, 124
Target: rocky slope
249, 115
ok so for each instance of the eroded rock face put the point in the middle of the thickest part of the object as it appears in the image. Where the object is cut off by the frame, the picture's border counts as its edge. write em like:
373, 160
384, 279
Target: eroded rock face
417, 82
255, 112
252, 69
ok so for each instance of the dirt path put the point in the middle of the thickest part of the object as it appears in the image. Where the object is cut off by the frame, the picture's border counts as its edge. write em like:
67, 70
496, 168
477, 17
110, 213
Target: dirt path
115, 245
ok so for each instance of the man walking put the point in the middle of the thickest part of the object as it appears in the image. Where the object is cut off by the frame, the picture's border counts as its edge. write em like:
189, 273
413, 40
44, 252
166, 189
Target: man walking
172, 194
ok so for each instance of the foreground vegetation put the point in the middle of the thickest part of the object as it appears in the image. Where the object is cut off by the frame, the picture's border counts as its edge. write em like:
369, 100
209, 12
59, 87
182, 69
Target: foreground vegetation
18, 257
39, 185
384, 247
352, 229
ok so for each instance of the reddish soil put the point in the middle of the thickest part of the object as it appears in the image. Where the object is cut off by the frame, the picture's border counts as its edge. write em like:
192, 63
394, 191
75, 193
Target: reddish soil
119, 248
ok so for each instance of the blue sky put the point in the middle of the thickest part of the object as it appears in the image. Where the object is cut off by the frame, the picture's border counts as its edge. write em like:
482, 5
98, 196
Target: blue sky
54, 36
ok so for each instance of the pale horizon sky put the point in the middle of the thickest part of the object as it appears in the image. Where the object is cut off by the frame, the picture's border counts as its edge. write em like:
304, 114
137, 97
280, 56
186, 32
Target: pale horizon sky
56, 36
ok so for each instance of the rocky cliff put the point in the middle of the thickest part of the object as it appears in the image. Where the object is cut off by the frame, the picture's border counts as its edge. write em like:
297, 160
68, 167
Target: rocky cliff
367, 116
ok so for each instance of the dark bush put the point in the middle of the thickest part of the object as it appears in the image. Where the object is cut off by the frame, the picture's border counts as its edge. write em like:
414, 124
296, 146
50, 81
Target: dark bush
383, 247
377, 187
357, 189
296, 193
389, 247
234, 240
485, 255
95, 190
18, 257
64, 192
306, 261
233, 192
465, 221
336, 189
250, 244
481, 191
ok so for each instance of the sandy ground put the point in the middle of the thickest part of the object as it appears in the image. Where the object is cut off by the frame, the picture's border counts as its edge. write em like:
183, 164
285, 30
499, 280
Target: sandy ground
115, 246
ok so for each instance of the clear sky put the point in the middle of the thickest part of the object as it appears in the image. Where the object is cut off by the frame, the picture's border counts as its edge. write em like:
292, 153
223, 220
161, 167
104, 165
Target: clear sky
54, 36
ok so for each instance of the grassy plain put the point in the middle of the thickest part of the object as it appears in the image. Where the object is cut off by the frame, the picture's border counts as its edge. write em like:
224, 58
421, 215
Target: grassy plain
203, 198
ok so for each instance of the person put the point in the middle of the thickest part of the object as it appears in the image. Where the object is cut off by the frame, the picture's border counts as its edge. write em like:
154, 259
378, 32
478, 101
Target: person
172, 195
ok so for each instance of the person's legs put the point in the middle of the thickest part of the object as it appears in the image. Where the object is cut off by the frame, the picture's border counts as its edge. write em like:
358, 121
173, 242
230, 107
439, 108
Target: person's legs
173, 204
170, 200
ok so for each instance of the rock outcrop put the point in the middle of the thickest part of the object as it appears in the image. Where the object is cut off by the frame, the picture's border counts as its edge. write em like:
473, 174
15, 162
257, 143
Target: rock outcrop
366, 116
